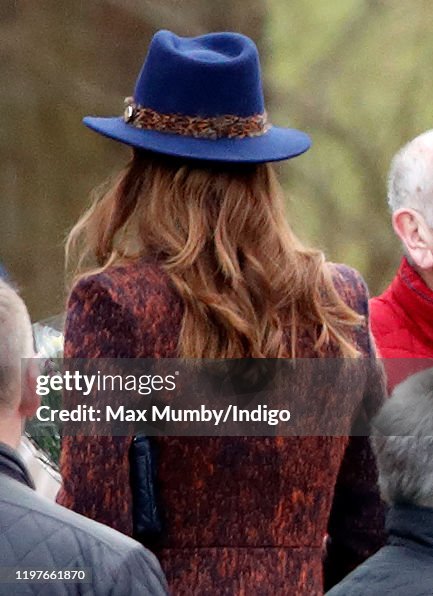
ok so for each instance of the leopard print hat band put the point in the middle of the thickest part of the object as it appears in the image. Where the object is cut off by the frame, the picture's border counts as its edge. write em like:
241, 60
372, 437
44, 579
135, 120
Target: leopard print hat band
228, 126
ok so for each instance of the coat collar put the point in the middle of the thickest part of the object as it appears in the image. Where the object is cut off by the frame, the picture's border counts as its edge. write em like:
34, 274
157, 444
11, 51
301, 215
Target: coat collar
415, 298
409, 525
12, 465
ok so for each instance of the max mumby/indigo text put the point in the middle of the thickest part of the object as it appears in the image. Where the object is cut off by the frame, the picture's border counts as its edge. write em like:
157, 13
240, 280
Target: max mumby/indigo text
202, 414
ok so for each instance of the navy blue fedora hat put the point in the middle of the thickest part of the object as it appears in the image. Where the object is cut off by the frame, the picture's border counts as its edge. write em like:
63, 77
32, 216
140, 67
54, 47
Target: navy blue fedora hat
202, 98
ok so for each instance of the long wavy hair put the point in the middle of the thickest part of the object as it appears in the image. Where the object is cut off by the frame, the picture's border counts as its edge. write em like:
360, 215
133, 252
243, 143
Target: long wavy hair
248, 285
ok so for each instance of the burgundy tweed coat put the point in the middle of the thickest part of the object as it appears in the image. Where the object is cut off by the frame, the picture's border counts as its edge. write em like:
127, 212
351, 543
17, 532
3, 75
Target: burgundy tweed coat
243, 515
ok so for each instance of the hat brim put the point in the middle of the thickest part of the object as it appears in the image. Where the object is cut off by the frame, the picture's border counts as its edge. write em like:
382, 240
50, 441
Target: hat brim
277, 144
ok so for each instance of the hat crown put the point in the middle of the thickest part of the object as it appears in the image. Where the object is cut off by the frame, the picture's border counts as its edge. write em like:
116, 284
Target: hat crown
207, 76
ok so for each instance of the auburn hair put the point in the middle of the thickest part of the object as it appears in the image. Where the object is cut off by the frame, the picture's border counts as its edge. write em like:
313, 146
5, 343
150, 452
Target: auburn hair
219, 231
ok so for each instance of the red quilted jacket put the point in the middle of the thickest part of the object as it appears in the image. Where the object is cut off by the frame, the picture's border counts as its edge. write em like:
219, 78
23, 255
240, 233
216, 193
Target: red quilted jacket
402, 324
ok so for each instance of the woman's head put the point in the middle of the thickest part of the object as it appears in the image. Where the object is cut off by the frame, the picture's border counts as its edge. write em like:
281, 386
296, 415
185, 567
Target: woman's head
220, 233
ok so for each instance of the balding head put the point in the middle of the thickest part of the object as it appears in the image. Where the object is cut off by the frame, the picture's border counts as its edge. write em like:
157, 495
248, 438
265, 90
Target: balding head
410, 196
410, 182
16, 342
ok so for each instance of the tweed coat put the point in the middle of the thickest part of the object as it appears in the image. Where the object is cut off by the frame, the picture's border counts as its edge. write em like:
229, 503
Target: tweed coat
243, 515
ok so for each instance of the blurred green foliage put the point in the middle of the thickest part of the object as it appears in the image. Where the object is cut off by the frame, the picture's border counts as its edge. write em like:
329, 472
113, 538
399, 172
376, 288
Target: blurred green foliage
350, 72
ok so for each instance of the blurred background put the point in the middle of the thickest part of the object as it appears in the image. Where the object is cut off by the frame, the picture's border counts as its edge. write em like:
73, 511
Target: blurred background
350, 72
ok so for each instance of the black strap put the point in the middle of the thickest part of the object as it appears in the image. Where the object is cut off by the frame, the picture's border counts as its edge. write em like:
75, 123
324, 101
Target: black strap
147, 524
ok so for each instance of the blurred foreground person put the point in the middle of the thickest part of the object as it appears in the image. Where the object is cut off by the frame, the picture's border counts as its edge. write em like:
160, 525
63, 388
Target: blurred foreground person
403, 444
193, 258
36, 534
402, 317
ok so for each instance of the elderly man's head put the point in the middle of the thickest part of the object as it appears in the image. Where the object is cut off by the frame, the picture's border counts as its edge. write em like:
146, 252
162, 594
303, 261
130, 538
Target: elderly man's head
18, 399
410, 196
402, 439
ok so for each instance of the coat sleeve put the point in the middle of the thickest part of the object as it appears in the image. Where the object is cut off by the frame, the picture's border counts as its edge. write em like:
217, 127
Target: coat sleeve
95, 470
356, 524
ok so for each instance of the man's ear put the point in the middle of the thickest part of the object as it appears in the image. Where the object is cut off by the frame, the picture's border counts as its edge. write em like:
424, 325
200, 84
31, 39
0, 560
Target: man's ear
30, 400
416, 236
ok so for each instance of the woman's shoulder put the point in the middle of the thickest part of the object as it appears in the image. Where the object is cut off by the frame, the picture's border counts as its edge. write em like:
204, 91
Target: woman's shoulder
131, 309
124, 282
350, 285
138, 291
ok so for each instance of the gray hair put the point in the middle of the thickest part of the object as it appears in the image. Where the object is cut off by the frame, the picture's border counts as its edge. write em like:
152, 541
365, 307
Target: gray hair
402, 439
410, 180
16, 342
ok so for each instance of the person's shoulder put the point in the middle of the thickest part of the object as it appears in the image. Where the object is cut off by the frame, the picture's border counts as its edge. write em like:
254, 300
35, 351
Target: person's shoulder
68, 536
351, 286
118, 278
126, 283
144, 272
382, 305
387, 324
391, 570
344, 274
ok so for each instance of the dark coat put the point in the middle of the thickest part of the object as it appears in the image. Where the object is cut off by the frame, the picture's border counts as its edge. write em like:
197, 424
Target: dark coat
243, 515
38, 534
404, 567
